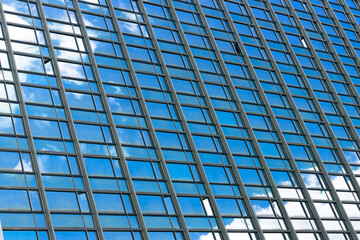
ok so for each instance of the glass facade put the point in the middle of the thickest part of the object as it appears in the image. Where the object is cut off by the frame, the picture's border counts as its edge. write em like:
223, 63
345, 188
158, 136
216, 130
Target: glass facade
180, 119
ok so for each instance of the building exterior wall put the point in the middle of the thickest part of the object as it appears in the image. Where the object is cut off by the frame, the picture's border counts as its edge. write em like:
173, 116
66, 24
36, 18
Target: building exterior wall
179, 119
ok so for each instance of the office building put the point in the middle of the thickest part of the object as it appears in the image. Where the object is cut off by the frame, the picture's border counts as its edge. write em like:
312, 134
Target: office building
180, 119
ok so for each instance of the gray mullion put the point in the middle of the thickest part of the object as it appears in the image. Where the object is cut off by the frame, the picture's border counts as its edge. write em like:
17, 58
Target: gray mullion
296, 111
247, 123
349, 45
334, 93
149, 124
122, 160
336, 96
272, 116
27, 129
356, 25
328, 127
184, 124
217, 124
72, 129
298, 115
315, 100
326, 122
351, 15
300, 119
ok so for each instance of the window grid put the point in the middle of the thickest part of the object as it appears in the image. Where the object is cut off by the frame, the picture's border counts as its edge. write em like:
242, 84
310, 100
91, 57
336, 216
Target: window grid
183, 119
339, 152
117, 230
167, 155
290, 137
24, 149
194, 130
281, 224
321, 151
352, 75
